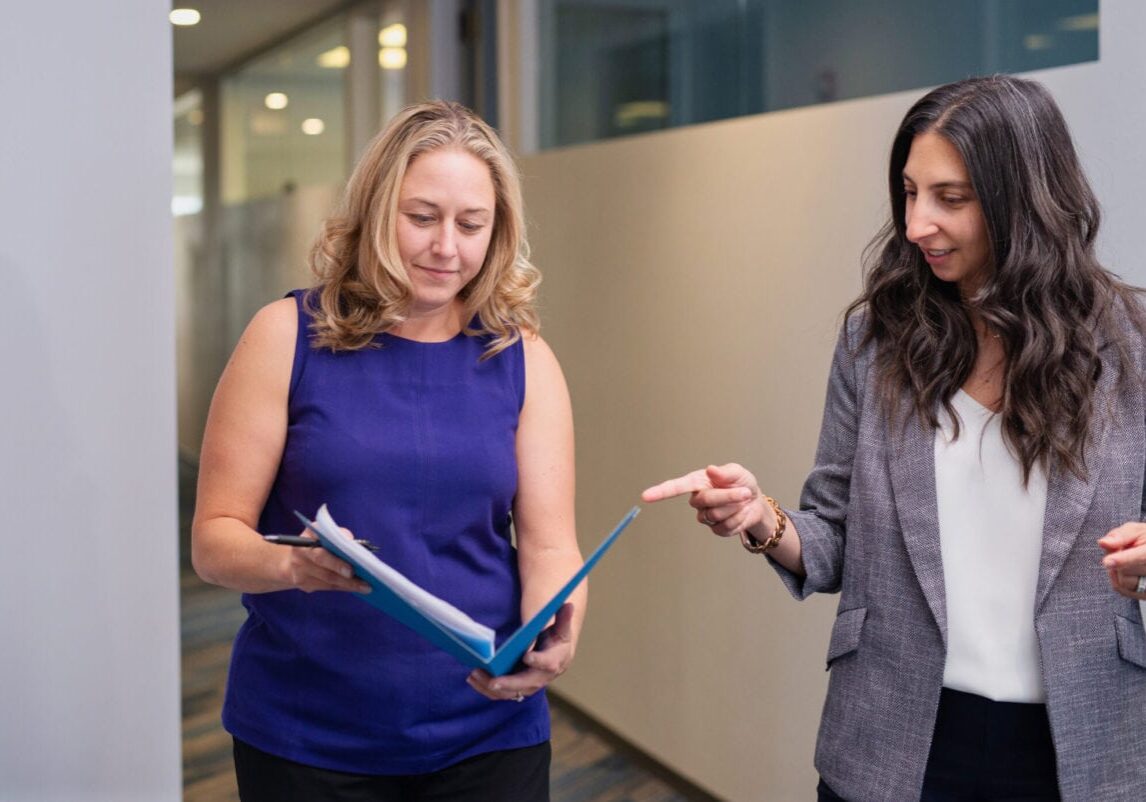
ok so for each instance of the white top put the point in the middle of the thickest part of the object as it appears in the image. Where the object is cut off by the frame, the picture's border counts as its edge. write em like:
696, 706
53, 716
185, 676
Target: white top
990, 532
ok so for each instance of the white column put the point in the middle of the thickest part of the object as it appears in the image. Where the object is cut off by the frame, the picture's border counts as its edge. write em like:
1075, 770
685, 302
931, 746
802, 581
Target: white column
363, 83
518, 73
435, 50
89, 623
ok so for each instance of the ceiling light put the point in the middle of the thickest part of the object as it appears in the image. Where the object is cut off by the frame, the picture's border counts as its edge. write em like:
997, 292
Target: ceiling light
393, 35
276, 101
336, 58
184, 16
392, 58
313, 126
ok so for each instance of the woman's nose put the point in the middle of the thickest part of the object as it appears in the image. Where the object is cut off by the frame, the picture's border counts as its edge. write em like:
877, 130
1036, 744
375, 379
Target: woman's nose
444, 241
920, 224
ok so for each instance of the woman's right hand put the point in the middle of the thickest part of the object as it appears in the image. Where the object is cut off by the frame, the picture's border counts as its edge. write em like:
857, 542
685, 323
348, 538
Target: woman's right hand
318, 569
728, 501
727, 498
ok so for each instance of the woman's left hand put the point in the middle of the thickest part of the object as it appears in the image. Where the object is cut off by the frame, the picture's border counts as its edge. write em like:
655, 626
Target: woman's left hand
546, 661
1125, 560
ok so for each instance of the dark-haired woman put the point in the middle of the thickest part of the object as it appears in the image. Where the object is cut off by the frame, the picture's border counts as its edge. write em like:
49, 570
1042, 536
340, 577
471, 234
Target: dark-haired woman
984, 425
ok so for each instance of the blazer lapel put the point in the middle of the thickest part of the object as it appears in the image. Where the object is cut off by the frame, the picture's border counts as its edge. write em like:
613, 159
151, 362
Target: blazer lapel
912, 468
1068, 497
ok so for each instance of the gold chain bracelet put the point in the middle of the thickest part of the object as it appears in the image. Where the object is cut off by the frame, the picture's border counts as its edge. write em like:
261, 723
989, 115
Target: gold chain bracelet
755, 546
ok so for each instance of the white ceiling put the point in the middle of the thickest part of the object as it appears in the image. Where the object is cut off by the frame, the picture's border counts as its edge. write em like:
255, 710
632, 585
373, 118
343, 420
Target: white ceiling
232, 30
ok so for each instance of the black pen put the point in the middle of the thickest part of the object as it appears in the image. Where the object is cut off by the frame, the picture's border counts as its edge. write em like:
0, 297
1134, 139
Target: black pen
309, 542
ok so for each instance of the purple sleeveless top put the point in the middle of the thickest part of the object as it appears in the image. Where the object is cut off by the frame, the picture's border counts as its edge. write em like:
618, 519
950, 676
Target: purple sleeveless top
412, 446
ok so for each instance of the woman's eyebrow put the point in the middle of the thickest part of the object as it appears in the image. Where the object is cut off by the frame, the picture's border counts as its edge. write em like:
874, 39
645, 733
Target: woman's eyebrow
432, 205
941, 184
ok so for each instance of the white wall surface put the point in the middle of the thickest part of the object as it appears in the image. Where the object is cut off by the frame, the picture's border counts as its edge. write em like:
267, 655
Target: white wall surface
89, 626
694, 281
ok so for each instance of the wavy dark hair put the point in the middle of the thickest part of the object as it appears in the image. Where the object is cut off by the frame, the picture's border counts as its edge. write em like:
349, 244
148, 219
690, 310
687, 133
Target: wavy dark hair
1045, 295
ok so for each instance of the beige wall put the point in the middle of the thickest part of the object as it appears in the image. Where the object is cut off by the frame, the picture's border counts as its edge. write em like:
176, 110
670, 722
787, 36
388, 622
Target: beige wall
694, 280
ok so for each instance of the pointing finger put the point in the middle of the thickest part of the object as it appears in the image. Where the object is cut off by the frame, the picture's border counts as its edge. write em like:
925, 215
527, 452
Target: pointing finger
689, 483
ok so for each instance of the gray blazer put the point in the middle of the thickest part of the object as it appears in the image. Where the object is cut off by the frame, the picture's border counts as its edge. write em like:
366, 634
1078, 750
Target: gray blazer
868, 524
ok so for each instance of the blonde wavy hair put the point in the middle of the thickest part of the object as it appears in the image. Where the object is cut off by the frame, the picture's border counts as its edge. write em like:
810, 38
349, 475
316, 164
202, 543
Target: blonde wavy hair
363, 287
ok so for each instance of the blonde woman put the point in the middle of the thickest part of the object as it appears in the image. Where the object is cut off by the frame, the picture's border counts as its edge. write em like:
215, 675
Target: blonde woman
408, 390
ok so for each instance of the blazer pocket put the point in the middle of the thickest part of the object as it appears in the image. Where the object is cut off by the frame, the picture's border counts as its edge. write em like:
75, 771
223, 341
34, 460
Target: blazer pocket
1131, 640
846, 633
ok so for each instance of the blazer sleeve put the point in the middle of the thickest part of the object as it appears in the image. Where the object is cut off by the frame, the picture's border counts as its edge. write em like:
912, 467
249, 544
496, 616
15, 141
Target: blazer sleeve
822, 518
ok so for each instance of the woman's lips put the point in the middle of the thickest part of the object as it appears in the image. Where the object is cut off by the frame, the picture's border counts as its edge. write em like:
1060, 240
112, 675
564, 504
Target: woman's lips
936, 256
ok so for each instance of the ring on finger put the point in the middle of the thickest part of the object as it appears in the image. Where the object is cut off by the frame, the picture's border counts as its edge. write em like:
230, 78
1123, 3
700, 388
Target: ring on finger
1141, 586
704, 519
520, 697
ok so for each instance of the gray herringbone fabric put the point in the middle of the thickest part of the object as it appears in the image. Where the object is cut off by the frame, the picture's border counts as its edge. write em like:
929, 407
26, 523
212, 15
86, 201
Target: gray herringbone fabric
868, 523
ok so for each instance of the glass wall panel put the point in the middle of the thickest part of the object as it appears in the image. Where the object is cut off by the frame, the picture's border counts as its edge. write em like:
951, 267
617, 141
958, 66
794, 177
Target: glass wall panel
616, 67
284, 117
187, 163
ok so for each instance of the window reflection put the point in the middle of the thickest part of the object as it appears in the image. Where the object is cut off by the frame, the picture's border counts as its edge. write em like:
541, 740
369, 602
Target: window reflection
283, 117
617, 67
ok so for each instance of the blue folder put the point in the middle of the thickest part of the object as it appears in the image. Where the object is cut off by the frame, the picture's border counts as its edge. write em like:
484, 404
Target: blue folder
417, 611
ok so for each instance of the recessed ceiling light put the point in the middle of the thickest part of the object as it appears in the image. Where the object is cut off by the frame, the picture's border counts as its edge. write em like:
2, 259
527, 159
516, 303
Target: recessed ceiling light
184, 16
334, 59
393, 35
313, 126
276, 101
392, 58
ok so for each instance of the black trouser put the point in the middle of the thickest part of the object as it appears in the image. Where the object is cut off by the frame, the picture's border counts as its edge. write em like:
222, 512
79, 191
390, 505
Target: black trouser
512, 775
985, 751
